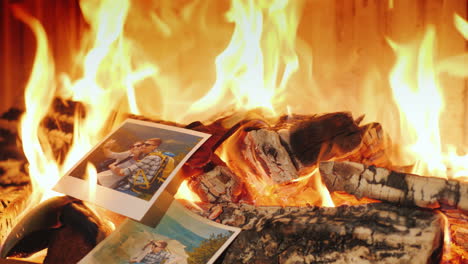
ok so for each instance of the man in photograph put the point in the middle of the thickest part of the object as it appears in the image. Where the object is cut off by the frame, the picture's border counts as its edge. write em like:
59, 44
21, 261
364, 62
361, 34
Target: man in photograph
155, 252
143, 171
110, 179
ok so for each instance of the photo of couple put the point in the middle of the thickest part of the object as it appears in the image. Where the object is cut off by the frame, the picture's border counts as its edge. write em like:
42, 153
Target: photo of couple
141, 169
133, 165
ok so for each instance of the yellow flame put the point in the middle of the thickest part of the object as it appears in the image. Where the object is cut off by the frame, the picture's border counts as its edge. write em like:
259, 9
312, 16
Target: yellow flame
324, 193
260, 58
91, 176
461, 24
108, 76
447, 252
185, 193
39, 94
416, 91
419, 96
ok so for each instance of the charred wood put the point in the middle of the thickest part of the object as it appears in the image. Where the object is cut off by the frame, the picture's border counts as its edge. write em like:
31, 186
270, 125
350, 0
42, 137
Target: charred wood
374, 147
264, 151
395, 187
319, 137
372, 233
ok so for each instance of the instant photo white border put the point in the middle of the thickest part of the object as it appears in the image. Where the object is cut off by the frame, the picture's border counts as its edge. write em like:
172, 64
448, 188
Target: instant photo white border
113, 200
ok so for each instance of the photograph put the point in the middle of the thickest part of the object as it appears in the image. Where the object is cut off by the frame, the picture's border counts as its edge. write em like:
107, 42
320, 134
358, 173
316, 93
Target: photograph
132, 166
180, 237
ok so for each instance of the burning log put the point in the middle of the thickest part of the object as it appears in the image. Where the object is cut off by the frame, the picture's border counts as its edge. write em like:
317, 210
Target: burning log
319, 137
297, 143
217, 185
371, 233
457, 248
269, 159
374, 147
333, 135
263, 150
386, 185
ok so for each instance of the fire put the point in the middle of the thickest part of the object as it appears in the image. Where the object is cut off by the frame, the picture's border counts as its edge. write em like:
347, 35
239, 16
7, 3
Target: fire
107, 78
134, 58
190, 63
447, 238
420, 101
260, 58
42, 168
184, 193
252, 71
304, 191
461, 24
91, 176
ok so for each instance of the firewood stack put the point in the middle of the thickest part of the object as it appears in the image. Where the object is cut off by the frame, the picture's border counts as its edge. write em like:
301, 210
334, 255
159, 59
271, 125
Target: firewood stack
278, 155
283, 154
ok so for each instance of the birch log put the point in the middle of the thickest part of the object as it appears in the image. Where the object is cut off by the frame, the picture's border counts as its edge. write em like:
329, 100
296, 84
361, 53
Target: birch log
400, 188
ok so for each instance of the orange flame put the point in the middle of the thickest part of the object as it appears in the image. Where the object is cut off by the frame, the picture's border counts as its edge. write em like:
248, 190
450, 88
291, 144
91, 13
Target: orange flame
420, 101
36, 147
461, 24
447, 237
184, 193
260, 58
91, 176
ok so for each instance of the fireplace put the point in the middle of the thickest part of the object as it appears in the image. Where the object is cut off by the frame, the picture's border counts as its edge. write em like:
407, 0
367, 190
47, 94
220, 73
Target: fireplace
399, 63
